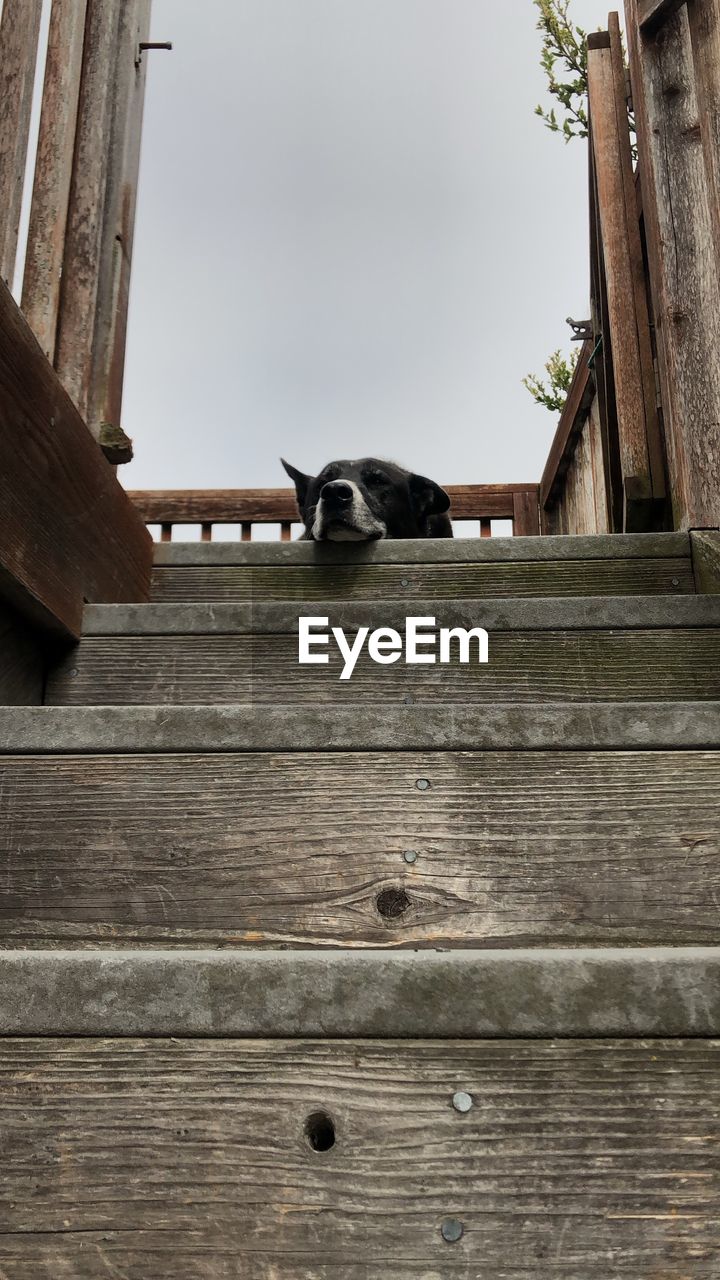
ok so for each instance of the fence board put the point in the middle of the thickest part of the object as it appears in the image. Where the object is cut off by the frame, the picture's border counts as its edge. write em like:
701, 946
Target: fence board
683, 265
652, 13
83, 241
53, 171
19, 32
704, 17
629, 328
128, 96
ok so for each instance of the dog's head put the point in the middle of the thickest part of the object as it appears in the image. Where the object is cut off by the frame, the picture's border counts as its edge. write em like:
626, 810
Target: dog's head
368, 499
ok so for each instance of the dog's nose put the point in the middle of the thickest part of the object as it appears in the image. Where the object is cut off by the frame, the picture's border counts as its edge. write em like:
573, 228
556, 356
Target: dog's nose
337, 493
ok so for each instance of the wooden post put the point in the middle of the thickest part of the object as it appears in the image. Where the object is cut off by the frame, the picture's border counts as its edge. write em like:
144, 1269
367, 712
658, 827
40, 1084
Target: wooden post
704, 17
98, 250
53, 171
85, 222
19, 32
128, 95
680, 226
641, 458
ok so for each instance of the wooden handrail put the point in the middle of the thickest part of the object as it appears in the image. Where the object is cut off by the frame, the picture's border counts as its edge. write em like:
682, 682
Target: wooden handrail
168, 507
571, 420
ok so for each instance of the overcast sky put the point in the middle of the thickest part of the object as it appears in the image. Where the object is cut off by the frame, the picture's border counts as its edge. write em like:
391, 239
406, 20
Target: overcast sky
353, 237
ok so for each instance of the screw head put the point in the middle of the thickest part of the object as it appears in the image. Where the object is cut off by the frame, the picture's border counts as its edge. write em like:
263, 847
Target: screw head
462, 1102
410, 856
404, 582
675, 582
73, 671
422, 784
452, 1230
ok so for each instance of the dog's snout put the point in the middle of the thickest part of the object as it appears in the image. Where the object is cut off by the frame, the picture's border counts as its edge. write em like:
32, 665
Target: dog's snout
337, 493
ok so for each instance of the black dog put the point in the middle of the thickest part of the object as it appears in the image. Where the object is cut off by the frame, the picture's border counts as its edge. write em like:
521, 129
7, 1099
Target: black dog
368, 499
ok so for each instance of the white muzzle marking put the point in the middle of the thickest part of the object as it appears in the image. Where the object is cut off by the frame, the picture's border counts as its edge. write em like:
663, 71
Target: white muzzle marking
356, 525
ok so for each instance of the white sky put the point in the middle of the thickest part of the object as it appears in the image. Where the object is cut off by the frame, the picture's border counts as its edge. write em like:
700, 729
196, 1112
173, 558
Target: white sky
354, 236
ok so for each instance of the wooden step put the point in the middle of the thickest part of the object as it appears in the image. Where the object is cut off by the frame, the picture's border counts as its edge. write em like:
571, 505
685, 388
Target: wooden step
621, 564
607, 829
618, 649
136, 1157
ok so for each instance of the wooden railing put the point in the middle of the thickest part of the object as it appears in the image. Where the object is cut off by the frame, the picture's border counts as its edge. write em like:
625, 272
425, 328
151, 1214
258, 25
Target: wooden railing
76, 268
638, 445
247, 507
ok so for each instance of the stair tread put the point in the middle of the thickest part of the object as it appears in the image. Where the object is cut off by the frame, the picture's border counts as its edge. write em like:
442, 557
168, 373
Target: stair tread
524, 614
273, 727
654, 991
616, 546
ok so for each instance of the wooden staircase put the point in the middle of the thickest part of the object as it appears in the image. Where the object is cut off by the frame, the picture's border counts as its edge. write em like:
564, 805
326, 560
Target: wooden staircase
410, 977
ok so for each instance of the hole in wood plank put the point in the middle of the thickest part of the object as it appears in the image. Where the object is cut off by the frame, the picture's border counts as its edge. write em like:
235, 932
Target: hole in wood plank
393, 902
320, 1131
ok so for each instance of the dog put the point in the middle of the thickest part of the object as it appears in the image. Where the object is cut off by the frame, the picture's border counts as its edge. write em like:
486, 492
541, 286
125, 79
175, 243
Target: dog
369, 499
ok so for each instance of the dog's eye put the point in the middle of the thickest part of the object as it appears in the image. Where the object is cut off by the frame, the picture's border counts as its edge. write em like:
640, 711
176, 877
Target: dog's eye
375, 478
330, 473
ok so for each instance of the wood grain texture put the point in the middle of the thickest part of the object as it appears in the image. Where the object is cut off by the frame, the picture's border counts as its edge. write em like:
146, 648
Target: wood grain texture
261, 849
704, 18
680, 226
129, 76
19, 32
189, 1159
367, 581
270, 506
53, 171
68, 532
624, 275
83, 239
548, 666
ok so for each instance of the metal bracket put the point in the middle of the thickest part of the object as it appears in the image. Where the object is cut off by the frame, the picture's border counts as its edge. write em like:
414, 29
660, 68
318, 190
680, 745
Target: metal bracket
582, 329
151, 44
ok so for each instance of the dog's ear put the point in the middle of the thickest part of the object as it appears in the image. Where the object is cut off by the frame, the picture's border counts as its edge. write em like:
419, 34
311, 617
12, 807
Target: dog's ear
300, 480
428, 498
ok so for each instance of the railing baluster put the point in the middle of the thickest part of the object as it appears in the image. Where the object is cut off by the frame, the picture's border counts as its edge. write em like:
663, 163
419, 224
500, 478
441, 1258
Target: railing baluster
19, 32
206, 532
246, 531
485, 528
285, 531
166, 532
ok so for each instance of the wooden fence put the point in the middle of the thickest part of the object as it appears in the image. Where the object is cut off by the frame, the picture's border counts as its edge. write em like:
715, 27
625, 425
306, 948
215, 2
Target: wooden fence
638, 446
80, 241
483, 503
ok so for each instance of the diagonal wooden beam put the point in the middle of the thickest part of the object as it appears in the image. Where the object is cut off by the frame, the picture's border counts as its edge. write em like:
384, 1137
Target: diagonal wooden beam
653, 13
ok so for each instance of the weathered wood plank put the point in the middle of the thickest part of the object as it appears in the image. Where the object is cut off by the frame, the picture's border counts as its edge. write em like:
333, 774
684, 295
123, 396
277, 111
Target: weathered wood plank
706, 560
370, 581
643, 483
68, 532
118, 233
527, 666
264, 506
683, 265
460, 993
83, 240
627, 613
273, 727
553, 848
53, 171
411, 551
592, 1159
704, 17
19, 32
